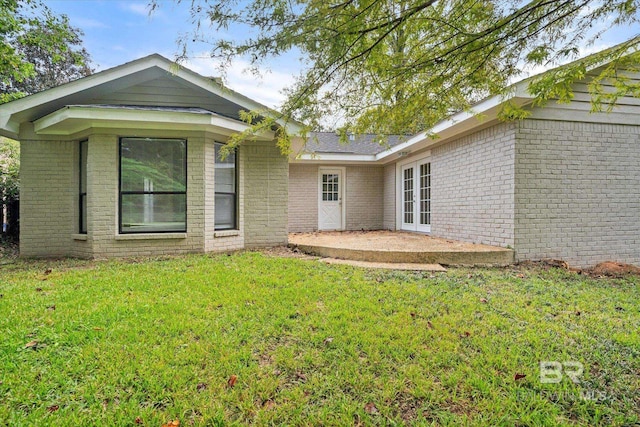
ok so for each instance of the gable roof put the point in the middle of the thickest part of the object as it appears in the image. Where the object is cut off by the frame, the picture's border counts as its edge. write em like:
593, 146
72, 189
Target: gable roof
90, 89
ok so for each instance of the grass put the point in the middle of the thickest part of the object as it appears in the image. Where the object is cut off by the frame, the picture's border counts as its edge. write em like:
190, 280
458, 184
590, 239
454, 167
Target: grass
147, 342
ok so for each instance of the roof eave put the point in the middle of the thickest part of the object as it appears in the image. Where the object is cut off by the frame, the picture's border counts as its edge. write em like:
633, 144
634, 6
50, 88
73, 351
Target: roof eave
73, 119
32, 101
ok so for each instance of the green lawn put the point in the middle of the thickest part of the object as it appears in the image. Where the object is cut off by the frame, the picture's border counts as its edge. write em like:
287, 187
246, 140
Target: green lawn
147, 342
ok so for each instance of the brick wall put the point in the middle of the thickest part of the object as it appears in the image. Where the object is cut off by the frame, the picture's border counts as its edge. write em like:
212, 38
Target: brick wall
578, 192
226, 240
473, 187
363, 197
389, 197
48, 198
102, 205
303, 198
266, 185
49, 206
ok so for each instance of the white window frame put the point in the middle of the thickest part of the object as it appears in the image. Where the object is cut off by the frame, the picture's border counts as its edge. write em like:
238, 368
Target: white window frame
424, 157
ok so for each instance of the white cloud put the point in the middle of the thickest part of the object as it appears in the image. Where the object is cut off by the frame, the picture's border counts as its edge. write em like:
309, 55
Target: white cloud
265, 89
88, 23
582, 52
138, 8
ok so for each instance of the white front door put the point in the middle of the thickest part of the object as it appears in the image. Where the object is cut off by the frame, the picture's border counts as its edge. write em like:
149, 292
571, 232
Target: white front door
330, 206
415, 209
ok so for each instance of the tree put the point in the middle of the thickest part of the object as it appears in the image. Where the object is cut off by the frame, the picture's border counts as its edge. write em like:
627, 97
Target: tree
9, 180
9, 168
38, 49
399, 66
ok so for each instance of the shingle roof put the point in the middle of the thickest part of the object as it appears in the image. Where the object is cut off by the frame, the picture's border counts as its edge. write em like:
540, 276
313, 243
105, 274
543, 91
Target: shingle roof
329, 142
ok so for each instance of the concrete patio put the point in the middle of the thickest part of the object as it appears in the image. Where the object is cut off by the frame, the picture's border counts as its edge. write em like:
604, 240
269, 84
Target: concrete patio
398, 247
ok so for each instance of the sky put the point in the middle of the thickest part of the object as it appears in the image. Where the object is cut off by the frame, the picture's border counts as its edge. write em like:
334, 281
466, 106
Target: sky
118, 31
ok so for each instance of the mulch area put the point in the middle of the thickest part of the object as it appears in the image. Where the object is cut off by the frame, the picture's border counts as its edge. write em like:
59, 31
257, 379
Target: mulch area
603, 269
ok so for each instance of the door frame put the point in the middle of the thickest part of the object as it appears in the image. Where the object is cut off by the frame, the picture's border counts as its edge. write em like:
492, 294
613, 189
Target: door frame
414, 162
404, 225
342, 184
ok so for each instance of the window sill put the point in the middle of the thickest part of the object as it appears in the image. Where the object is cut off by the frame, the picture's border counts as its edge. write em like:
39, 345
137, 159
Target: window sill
226, 233
151, 236
79, 237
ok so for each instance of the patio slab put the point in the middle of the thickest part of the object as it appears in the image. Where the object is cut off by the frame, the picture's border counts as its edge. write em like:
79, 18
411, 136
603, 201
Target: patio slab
399, 247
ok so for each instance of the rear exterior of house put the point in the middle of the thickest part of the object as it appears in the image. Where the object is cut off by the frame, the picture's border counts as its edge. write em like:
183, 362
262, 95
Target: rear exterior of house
563, 183
126, 163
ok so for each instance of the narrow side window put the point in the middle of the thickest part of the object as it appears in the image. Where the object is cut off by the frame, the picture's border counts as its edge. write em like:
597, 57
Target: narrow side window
82, 179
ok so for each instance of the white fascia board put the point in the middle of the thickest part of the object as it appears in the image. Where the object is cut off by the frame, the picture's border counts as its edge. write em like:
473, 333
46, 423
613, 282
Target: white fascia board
82, 84
334, 157
81, 118
452, 126
460, 122
8, 128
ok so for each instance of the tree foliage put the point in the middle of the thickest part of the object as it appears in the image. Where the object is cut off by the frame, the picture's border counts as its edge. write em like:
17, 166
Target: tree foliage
398, 66
9, 168
38, 49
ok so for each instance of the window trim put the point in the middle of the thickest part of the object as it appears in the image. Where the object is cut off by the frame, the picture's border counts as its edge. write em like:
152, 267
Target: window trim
82, 196
121, 193
236, 178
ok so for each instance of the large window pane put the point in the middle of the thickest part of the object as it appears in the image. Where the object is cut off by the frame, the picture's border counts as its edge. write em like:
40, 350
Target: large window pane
153, 178
153, 212
153, 164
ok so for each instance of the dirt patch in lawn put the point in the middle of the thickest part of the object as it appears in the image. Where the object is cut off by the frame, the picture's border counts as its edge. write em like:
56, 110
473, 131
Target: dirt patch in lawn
613, 269
286, 252
603, 269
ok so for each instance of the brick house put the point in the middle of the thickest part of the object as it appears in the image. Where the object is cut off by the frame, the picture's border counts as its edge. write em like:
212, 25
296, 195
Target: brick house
124, 163
563, 183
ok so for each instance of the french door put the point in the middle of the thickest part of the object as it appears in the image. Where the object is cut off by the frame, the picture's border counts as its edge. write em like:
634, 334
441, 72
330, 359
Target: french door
415, 208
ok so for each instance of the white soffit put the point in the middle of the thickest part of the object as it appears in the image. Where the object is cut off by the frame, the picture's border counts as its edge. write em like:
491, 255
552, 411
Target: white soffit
73, 119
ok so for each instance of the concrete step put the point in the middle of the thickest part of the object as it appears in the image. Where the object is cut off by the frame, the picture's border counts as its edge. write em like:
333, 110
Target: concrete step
497, 257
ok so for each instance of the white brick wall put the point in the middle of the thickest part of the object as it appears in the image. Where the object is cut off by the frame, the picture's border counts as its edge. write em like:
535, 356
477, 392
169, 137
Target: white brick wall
266, 186
363, 197
578, 192
473, 187
303, 198
389, 197
102, 203
49, 199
